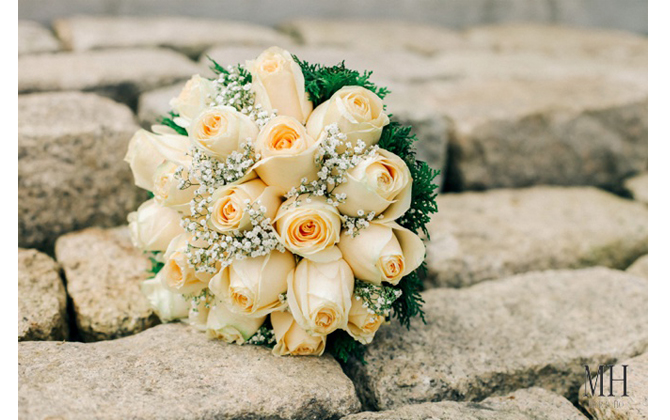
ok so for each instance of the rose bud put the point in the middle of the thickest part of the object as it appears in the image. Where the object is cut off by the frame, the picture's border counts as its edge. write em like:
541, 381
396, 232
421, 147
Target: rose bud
230, 327
229, 204
221, 130
194, 97
310, 229
381, 183
252, 286
319, 295
287, 154
358, 113
152, 227
278, 83
363, 324
179, 276
166, 188
382, 252
148, 150
167, 305
293, 340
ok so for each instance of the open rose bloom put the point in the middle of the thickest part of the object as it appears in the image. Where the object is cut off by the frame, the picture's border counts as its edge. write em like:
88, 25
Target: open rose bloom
283, 208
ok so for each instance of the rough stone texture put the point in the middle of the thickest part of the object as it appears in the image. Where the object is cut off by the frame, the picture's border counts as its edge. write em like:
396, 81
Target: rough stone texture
35, 39
559, 41
374, 35
563, 132
103, 272
42, 298
640, 267
638, 187
479, 236
633, 407
174, 372
187, 35
156, 103
119, 74
525, 404
71, 169
536, 329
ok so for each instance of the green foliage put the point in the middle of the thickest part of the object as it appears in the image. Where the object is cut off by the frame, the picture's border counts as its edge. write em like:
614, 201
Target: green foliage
343, 347
169, 121
410, 303
156, 265
322, 81
239, 69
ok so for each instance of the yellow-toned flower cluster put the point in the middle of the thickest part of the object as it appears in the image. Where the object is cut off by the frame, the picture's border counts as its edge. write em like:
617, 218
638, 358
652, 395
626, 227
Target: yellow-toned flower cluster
266, 207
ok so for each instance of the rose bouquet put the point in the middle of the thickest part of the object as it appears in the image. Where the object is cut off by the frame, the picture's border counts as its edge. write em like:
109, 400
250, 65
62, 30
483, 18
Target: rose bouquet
285, 208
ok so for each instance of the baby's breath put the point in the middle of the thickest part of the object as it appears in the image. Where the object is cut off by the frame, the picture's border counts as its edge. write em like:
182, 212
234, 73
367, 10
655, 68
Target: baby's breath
264, 337
377, 299
234, 89
354, 225
204, 296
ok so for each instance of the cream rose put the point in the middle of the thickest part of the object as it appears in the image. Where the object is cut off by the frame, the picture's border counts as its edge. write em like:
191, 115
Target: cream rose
278, 83
229, 205
381, 183
198, 314
358, 113
166, 304
319, 295
179, 276
153, 226
194, 97
252, 286
166, 187
382, 252
220, 130
310, 229
292, 339
230, 327
287, 153
148, 150
362, 324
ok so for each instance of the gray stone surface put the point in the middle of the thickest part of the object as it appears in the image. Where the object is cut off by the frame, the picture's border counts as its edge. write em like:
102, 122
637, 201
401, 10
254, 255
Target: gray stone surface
187, 35
119, 74
633, 407
479, 236
174, 372
640, 267
156, 103
71, 168
103, 272
638, 187
573, 131
374, 35
524, 404
559, 41
42, 298
536, 329
35, 39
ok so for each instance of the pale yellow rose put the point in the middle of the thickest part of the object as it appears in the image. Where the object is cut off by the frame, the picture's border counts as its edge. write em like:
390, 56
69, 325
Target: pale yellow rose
225, 325
382, 252
165, 303
179, 276
311, 229
381, 183
363, 324
319, 295
147, 150
152, 227
278, 83
229, 205
252, 286
166, 187
220, 130
292, 339
358, 113
287, 154
193, 98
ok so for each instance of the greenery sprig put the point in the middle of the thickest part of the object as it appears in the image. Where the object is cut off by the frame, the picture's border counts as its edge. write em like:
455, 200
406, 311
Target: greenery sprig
169, 121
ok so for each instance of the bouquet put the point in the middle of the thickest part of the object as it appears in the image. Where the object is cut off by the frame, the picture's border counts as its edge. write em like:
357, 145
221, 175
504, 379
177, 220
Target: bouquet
285, 207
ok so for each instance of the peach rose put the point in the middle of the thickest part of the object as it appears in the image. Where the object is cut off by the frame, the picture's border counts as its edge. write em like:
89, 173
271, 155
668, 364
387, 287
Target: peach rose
362, 324
229, 204
220, 130
292, 339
